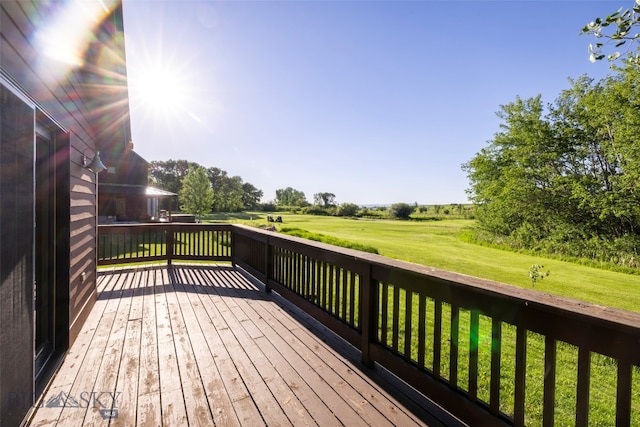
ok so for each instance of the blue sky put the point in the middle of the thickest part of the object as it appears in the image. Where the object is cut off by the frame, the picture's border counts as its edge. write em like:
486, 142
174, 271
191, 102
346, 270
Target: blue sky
374, 101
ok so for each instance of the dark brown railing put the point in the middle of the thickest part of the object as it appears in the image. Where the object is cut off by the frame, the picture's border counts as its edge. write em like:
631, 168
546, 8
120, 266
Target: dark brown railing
118, 244
488, 353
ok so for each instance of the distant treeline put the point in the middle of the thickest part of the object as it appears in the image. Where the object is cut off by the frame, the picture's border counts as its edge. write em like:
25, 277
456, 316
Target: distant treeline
231, 194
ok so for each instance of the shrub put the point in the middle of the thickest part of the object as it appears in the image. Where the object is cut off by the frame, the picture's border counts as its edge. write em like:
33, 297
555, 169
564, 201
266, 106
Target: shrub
401, 210
268, 207
292, 209
347, 209
315, 210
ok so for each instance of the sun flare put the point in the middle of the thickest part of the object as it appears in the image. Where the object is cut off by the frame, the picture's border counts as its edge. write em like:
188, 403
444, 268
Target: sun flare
162, 92
159, 90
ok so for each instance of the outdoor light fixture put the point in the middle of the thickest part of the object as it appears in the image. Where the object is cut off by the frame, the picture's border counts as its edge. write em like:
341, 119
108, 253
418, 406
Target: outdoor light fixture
96, 166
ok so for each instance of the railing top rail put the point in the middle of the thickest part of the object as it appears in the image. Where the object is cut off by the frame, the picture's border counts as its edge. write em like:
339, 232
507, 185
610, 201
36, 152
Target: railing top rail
224, 226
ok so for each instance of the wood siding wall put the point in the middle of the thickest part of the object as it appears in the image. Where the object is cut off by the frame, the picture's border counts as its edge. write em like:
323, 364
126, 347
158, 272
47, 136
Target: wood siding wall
66, 99
69, 108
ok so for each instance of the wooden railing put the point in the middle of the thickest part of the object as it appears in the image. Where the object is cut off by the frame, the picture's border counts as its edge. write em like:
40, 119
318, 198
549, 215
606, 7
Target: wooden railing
488, 353
126, 243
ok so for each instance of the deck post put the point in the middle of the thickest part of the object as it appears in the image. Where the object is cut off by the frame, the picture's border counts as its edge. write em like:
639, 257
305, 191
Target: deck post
368, 299
170, 243
267, 265
233, 247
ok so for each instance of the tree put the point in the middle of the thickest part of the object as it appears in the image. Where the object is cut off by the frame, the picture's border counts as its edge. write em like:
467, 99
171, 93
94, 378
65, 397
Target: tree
325, 200
615, 29
290, 197
196, 195
169, 174
231, 194
347, 209
565, 175
250, 196
401, 210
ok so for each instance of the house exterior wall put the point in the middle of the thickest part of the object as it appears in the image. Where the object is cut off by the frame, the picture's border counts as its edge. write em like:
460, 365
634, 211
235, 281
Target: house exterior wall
118, 201
85, 108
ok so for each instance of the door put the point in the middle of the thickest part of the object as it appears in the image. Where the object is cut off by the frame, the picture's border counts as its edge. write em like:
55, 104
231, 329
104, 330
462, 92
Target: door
45, 255
51, 249
16, 257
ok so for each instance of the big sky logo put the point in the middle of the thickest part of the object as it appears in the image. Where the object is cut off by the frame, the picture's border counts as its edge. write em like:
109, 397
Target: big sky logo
105, 402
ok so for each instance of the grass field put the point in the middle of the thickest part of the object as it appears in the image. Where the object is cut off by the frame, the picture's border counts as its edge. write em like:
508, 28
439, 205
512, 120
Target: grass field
438, 244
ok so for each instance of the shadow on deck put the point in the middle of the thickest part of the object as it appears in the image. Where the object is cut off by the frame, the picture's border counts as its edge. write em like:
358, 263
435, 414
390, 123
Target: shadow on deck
205, 345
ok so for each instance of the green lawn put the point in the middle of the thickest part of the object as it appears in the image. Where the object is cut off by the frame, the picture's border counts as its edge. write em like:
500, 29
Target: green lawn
437, 244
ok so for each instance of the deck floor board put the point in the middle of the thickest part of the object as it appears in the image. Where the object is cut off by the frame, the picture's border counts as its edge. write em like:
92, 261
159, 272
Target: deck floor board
204, 345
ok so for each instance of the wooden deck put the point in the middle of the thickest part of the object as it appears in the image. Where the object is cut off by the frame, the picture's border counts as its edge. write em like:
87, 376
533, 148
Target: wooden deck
204, 345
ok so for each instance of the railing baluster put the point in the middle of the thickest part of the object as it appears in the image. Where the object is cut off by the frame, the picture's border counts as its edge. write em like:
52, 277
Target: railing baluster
352, 299
322, 270
453, 349
170, 246
623, 394
302, 274
330, 288
311, 265
299, 273
496, 354
313, 286
294, 271
109, 239
396, 318
206, 242
384, 312
286, 267
293, 257
132, 245
437, 337
550, 347
337, 292
584, 382
408, 336
474, 341
305, 277
275, 251
422, 324
146, 246
520, 379
343, 302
